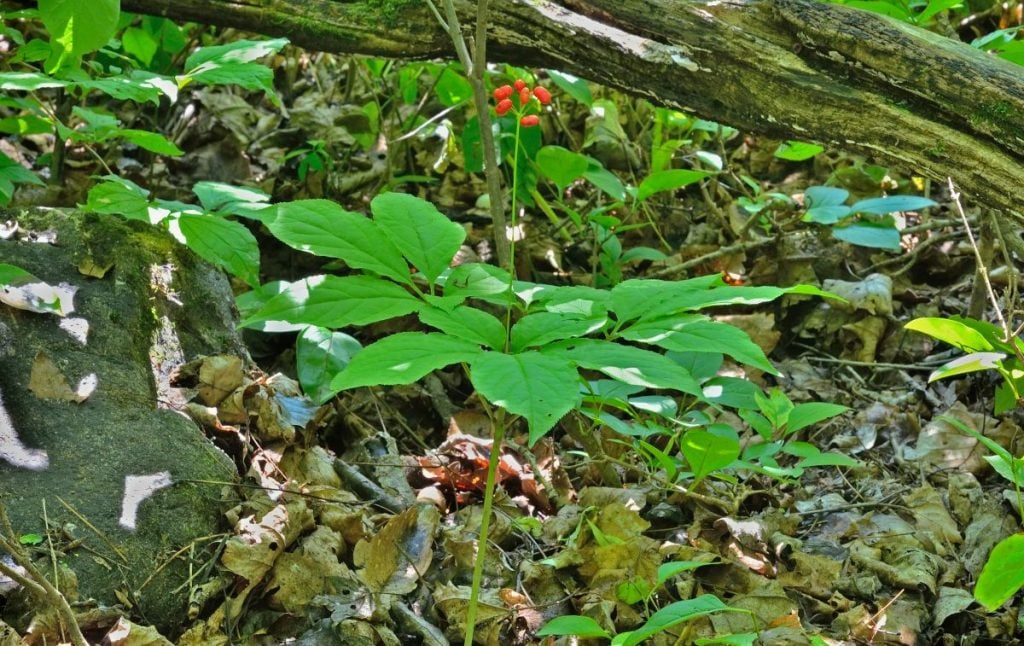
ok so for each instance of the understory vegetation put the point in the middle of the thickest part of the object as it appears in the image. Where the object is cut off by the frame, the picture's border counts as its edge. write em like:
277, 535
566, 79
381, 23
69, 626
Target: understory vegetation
531, 360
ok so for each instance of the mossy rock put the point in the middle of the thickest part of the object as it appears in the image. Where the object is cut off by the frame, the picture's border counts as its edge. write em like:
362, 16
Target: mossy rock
121, 428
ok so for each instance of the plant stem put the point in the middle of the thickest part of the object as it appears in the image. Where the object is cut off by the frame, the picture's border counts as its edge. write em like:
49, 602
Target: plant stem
485, 527
476, 68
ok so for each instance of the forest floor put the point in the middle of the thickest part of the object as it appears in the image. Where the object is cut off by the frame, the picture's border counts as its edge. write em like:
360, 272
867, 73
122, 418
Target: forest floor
384, 485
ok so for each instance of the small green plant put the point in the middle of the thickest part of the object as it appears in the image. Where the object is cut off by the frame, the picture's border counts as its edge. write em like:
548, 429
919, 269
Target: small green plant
664, 619
866, 223
313, 157
57, 66
987, 348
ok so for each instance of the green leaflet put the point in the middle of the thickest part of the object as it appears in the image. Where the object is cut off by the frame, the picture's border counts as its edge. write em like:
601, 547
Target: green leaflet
403, 358
333, 302
540, 388
323, 228
426, 238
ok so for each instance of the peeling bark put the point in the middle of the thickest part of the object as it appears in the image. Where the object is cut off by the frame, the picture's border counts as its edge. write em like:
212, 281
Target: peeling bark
785, 68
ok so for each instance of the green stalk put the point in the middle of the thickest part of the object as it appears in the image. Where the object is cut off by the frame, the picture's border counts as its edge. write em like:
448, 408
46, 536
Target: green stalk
499, 426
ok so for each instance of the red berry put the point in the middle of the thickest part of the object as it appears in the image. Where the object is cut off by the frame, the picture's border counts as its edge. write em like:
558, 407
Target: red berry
520, 84
503, 92
542, 95
529, 120
503, 106
524, 96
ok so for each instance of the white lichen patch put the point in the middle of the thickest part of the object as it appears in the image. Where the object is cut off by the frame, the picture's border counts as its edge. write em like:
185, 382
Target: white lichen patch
13, 451
136, 490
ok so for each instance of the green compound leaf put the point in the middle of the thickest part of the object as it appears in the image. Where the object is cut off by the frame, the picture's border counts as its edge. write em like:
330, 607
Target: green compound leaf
1003, 574
323, 228
627, 364
333, 302
225, 243
404, 358
427, 238
577, 625
538, 387
706, 452
672, 615
320, 355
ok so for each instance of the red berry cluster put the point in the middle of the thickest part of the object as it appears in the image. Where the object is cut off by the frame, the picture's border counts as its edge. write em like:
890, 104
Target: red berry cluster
503, 95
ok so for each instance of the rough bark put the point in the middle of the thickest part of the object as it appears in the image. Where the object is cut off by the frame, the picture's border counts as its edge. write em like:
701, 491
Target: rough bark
787, 68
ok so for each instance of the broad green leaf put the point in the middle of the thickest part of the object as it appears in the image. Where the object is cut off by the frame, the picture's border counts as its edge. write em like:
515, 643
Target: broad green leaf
672, 615
576, 625
467, 323
575, 87
1003, 574
706, 452
250, 302
154, 142
826, 214
323, 228
690, 333
541, 328
540, 388
797, 150
478, 280
79, 27
251, 76
668, 570
28, 81
605, 180
668, 180
642, 253
225, 243
803, 415
12, 275
827, 459
452, 87
428, 239
743, 639
974, 362
561, 166
239, 51
334, 302
135, 88
403, 358
892, 204
627, 364
702, 365
818, 196
874, 235
636, 298
119, 197
214, 195
320, 354
15, 173
956, 333
730, 391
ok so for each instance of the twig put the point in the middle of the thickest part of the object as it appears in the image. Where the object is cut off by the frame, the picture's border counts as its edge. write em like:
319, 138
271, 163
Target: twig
36, 582
682, 267
982, 270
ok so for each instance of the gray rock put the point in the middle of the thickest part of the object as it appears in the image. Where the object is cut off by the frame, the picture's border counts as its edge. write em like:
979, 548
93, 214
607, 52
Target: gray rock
139, 331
